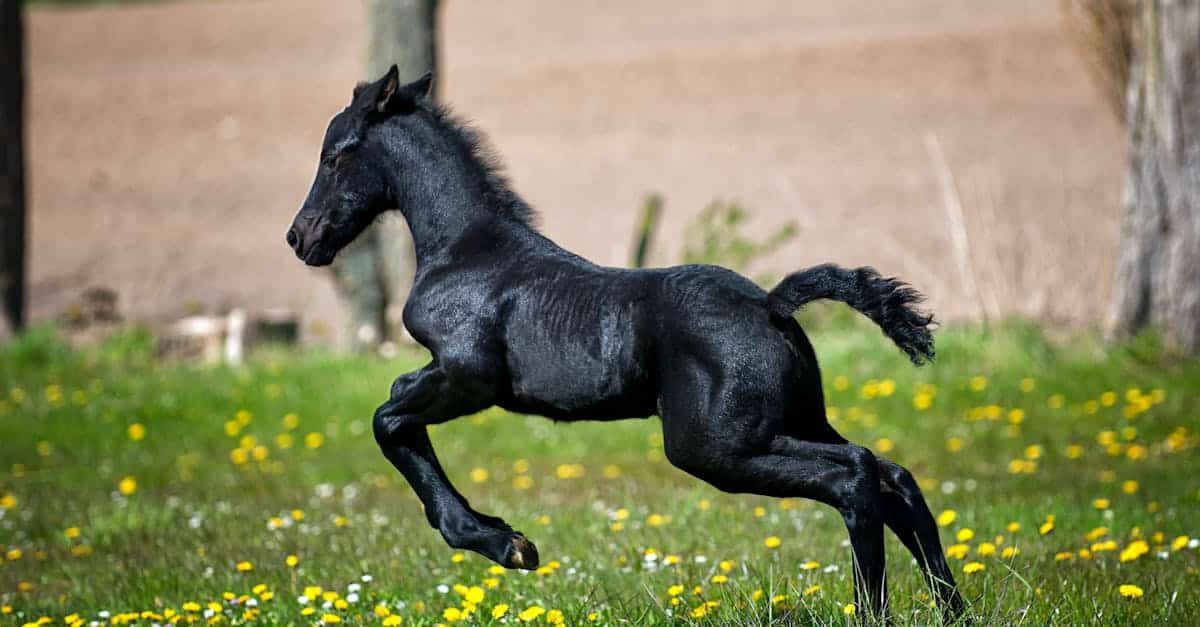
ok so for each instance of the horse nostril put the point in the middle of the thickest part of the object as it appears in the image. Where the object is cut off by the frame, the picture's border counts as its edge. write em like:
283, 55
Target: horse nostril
293, 238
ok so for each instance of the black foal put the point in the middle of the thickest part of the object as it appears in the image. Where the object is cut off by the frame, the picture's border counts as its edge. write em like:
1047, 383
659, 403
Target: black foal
513, 320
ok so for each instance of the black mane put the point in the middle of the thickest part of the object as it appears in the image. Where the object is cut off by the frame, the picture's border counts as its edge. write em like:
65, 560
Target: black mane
475, 147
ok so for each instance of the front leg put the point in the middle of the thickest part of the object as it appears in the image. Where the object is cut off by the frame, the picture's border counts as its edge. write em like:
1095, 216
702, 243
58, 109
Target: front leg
422, 398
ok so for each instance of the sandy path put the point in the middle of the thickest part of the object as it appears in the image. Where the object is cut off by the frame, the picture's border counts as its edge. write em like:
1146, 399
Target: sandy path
171, 143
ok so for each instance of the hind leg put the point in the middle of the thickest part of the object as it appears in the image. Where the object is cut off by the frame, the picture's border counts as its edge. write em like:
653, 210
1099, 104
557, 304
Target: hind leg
844, 476
908, 516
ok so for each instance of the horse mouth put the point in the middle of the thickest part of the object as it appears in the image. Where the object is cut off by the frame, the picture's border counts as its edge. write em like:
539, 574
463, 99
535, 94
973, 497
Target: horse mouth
318, 256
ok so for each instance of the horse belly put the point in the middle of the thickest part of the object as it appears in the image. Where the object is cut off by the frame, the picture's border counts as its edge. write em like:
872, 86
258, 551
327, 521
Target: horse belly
599, 375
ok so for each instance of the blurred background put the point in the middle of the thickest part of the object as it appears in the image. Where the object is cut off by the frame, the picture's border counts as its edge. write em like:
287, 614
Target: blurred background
1032, 166
170, 143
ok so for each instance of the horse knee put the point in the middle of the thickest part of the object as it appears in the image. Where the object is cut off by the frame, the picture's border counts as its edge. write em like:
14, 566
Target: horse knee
898, 479
388, 427
859, 494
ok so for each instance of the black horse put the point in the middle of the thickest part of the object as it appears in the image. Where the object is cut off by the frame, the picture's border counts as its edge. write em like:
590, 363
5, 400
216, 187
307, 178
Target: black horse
513, 320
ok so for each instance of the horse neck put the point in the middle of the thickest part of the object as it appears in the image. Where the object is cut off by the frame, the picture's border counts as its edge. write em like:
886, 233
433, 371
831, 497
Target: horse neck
448, 203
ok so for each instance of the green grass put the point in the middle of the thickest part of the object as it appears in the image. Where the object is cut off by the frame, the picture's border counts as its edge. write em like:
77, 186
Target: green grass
68, 421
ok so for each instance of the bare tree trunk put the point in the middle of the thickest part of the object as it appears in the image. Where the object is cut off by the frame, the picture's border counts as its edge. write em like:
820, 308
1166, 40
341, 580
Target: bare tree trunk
1158, 264
374, 274
12, 169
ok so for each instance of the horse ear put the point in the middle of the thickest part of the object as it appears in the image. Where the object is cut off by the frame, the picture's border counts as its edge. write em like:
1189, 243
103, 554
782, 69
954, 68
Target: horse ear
420, 88
389, 88
392, 97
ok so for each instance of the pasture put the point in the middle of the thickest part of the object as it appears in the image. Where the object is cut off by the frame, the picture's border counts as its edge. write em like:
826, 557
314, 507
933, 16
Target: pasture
1063, 474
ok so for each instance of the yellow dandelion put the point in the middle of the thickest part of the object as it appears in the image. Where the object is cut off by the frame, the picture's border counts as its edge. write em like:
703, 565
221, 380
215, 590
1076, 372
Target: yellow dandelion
719, 579
957, 551
136, 431
499, 611
986, 549
922, 401
973, 567
726, 565
392, 621
772, 542
849, 609
947, 517
657, 520
331, 618
457, 558
127, 486
759, 512
314, 440
810, 565
965, 534
1134, 550
884, 445
244, 567
1179, 543
1130, 591
1101, 503
531, 613
291, 561
479, 475
811, 590
1009, 552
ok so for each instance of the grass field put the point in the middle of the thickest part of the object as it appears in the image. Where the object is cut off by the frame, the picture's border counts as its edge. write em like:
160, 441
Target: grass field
1065, 476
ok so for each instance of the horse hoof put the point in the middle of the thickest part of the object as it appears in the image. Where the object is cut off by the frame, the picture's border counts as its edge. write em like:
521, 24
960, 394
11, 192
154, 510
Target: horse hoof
522, 554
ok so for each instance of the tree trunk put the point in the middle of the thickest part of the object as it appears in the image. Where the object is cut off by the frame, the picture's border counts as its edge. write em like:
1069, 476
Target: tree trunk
12, 169
1158, 263
373, 275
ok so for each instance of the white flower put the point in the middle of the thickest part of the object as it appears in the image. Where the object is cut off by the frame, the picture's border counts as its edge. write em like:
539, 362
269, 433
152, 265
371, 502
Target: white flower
366, 578
443, 588
354, 587
700, 559
104, 614
302, 600
352, 598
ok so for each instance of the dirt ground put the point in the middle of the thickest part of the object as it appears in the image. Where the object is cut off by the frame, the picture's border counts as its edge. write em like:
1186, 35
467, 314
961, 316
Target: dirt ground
171, 143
